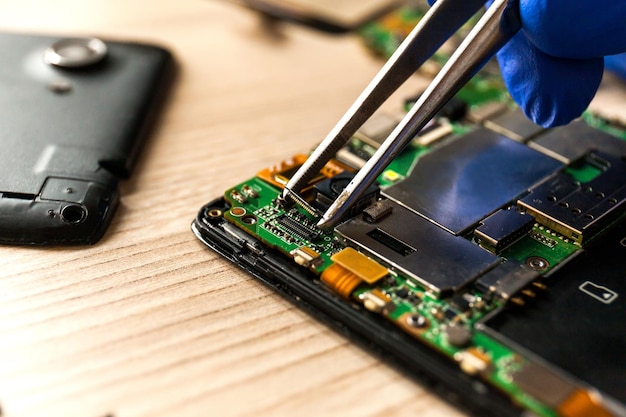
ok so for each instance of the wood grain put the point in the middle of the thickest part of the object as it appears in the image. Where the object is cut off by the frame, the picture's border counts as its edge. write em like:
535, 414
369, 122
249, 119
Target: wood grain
150, 323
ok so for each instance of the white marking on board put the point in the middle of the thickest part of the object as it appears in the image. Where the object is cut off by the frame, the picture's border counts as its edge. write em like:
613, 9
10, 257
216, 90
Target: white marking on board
599, 292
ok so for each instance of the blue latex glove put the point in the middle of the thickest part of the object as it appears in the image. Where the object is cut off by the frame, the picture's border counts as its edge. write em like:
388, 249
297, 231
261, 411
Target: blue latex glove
553, 66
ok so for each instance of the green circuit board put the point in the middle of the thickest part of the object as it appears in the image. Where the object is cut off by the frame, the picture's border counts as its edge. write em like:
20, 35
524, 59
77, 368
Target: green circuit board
447, 319
469, 221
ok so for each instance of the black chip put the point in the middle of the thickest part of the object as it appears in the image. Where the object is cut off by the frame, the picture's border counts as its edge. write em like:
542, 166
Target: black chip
460, 303
402, 292
450, 314
327, 191
503, 228
505, 280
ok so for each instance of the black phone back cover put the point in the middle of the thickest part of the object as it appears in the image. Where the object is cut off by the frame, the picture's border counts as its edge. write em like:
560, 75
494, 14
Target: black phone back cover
69, 135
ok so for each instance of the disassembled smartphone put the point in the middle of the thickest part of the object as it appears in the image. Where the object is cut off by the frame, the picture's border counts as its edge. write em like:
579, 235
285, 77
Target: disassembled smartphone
74, 113
489, 260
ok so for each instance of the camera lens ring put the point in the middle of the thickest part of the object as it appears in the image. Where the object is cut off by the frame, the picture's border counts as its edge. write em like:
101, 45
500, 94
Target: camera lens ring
75, 52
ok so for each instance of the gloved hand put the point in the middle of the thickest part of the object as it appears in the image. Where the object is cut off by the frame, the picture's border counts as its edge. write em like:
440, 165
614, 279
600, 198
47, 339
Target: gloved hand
553, 66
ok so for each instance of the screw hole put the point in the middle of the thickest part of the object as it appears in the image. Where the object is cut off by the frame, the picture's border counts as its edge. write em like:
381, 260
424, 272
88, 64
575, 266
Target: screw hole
215, 213
249, 219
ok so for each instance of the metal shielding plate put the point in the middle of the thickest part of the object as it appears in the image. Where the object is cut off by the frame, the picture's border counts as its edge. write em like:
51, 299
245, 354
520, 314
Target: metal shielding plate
462, 182
573, 141
421, 250
515, 125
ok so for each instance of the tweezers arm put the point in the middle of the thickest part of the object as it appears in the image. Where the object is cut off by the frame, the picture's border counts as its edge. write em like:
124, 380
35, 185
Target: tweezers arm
439, 23
495, 28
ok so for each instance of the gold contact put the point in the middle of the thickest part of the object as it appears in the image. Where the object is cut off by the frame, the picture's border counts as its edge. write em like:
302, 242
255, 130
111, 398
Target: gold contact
552, 223
365, 268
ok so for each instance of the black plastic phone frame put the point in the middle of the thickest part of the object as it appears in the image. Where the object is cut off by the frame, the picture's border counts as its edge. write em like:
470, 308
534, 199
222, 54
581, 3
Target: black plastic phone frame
368, 330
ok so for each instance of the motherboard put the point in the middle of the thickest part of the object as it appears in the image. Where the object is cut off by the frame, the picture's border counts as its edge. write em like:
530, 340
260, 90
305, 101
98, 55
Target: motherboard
488, 259
463, 245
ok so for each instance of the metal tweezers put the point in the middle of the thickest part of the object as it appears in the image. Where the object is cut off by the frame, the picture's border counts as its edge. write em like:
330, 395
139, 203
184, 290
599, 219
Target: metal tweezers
499, 23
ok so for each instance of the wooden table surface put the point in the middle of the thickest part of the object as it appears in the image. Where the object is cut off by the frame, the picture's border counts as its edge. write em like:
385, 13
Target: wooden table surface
148, 322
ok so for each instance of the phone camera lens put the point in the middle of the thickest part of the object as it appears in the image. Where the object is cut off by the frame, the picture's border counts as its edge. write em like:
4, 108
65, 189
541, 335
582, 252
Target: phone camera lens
75, 52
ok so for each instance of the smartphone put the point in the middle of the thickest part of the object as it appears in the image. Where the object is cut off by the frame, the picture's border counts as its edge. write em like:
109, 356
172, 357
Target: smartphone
74, 114
487, 261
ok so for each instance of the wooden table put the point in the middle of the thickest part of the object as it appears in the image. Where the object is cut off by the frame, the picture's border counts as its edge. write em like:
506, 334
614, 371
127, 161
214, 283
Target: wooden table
148, 322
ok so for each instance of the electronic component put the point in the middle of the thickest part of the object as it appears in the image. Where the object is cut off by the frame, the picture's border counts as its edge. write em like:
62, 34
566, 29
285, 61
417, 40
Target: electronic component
365, 268
473, 361
280, 174
238, 197
377, 211
486, 111
346, 156
575, 140
340, 280
506, 280
328, 190
304, 231
249, 191
463, 181
391, 176
558, 392
579, 210
418, 248
306, 257
503, 228
376, 129
376, 301
372, 134
431, 136
458, 335
462, 302
514, 124
454, 110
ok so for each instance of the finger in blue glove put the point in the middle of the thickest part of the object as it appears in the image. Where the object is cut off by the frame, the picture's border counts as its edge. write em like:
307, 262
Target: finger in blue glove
553, 67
